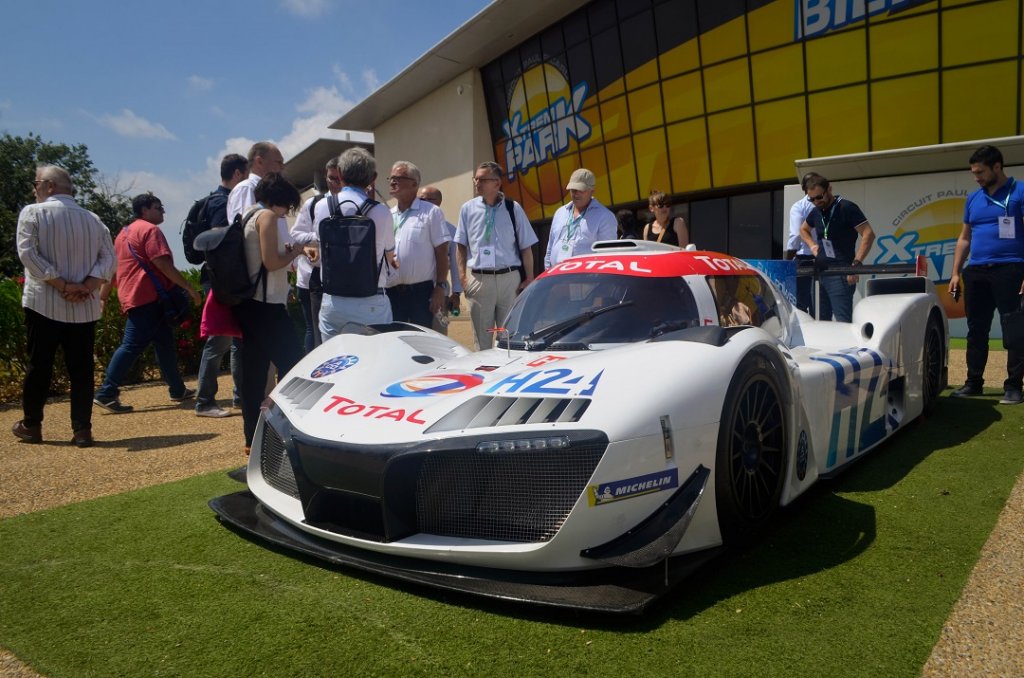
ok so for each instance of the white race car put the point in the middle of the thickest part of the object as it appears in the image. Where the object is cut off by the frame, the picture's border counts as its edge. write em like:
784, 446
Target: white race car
645, 406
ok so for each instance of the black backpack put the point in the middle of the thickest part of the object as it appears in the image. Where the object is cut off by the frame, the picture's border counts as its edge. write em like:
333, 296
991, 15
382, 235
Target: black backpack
195, 223
349, 266
224, 251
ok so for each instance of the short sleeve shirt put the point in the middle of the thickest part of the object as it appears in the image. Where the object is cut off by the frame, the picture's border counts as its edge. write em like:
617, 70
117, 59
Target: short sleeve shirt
982, 213
839, 224
134, 287
472, 232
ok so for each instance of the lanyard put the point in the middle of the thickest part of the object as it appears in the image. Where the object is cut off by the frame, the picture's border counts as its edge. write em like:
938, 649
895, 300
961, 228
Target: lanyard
489, 215
1006, 203
825, 222
573, 225
401, 220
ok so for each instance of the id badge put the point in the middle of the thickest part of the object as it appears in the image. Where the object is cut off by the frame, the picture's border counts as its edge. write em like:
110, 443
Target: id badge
830, 251
487, 257
1006, 229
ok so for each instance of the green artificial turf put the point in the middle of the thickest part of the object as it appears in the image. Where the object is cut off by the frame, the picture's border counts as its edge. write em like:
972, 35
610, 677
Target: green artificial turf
855, 579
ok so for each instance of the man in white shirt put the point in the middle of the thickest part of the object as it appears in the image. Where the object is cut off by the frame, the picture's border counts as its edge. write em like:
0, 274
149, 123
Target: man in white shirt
798, 249
264, 157
358, 170
580, 223
432, 194
68, 255
492, 246
419, 288
307, 273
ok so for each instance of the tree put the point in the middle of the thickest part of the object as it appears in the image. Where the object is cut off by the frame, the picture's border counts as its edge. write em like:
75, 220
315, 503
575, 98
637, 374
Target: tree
19, 157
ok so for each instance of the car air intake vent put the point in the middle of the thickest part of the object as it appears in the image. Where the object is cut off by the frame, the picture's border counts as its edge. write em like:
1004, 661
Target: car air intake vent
439, 348
303, 394
274, 463
487, 411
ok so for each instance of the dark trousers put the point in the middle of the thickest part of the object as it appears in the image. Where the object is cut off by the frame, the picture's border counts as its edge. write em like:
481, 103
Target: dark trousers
805, 287
310, 300
411, 303
269, 336
77, 339
988, 288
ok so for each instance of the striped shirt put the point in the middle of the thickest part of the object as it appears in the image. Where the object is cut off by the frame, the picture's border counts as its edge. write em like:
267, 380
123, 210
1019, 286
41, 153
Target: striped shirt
59, 239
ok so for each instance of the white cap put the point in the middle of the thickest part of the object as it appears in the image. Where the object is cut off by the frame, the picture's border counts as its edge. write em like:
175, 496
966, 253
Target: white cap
581, 180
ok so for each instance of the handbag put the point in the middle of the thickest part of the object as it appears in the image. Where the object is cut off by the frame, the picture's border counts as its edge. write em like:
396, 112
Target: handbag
176, 305
1013, 328
218, 320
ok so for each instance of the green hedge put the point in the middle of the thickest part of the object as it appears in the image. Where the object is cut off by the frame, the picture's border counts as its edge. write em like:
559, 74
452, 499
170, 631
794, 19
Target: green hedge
109, 331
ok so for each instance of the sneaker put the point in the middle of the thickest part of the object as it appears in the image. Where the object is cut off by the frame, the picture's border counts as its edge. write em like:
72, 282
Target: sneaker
213, 411
189, 394
113, 406
1011, 397
966, 391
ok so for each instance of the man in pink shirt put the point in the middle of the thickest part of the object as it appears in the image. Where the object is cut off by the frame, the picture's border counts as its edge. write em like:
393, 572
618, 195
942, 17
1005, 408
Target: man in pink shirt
139, 300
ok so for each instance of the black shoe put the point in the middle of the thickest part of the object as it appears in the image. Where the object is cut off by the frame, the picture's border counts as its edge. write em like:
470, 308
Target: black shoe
966, 391
113, 406
1011, 397
29, 434
83, 438
188, 394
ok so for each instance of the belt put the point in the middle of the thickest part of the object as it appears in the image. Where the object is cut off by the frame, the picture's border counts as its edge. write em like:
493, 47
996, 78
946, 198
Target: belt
493, 271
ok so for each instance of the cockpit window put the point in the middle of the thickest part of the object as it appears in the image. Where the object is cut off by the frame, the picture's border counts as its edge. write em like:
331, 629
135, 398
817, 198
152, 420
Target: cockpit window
742, 300
578, 311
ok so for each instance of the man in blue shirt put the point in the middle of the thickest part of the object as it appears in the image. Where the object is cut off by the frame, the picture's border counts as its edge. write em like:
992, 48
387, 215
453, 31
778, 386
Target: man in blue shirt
993, 279
579, 223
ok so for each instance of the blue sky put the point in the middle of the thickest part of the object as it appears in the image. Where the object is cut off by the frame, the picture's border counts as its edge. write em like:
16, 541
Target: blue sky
159, 92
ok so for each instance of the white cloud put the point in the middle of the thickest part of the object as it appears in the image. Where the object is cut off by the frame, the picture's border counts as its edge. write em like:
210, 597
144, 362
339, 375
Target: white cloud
322, 107
371, 80
306, 8
127, 124
198, 83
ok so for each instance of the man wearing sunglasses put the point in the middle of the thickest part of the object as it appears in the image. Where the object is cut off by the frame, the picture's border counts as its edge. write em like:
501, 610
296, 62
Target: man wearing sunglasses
837, 222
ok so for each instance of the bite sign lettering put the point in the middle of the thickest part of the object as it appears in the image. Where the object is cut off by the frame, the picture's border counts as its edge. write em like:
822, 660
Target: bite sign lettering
350, 408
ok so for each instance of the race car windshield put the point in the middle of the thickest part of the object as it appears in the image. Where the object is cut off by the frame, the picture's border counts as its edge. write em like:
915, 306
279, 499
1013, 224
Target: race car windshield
579, 311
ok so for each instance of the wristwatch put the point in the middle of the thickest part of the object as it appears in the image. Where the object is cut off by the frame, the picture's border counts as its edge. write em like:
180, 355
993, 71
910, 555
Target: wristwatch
443, 285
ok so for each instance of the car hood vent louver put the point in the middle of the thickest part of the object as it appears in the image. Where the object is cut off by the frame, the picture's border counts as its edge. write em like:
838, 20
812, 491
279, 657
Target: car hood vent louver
433, 346
303, 394
488, 411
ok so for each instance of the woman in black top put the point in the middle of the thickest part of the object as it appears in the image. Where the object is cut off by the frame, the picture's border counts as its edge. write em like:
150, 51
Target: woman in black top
664, 228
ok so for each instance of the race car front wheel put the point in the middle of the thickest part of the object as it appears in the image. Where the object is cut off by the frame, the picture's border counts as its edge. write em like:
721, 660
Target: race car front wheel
750, 461
931, 381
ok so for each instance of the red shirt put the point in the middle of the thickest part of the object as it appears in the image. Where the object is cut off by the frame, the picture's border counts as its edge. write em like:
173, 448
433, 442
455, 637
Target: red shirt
134, 287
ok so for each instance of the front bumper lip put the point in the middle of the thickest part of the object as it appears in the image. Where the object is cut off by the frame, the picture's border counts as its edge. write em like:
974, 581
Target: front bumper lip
616, 590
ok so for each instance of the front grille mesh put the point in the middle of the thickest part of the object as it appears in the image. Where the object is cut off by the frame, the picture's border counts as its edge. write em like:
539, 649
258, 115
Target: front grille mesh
517, 496
274, 463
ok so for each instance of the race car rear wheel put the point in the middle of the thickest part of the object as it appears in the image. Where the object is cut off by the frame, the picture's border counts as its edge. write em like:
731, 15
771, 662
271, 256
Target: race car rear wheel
931, 364
750, 462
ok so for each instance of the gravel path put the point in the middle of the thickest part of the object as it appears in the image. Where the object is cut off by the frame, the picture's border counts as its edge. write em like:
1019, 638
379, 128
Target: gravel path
163, 442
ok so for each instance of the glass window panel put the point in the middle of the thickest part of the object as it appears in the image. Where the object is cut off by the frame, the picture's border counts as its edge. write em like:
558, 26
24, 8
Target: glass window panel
675, 23
614, 119
622, 171
905, 112
529, 193
781, 137
575, 28
593, 159
750, 227
679, 59
581, 68
640, 55
982, 32
645, 108
732, 147
601, 14
977, 103
724, 42
778, 73
904, 46
551, 40
651, 156
770, 26
839, 121
709, 224
838, 59
727, 85
608, 63
683, 97
688, 153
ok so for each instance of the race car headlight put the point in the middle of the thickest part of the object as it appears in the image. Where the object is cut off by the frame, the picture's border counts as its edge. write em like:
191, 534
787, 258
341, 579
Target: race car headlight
523, 444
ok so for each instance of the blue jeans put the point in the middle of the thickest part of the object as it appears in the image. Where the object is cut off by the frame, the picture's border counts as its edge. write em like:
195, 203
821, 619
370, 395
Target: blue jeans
836, 301
209, 368
145, 325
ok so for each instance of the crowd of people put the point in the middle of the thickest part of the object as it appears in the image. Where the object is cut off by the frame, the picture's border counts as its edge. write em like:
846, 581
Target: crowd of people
410, 265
